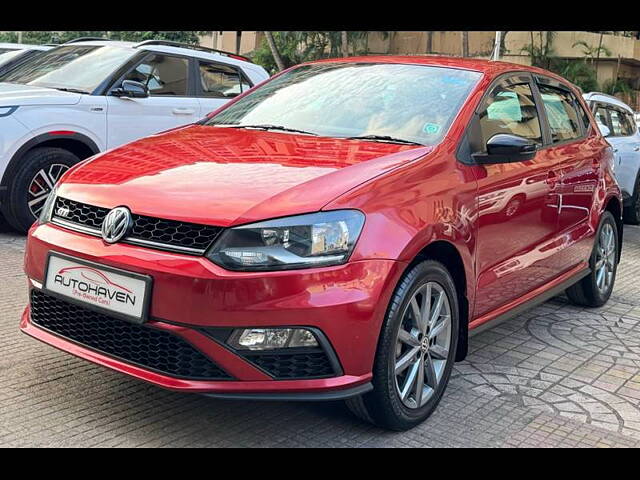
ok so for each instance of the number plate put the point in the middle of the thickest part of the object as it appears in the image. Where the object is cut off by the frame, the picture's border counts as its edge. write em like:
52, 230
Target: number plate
112, 291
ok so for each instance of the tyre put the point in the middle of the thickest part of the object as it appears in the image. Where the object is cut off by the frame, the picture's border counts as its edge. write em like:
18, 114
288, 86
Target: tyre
595, 289
416, 350
40, 169
632, 211
513, 207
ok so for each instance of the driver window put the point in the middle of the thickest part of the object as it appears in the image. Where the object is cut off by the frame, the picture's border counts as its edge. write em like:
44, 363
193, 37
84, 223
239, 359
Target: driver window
162, 74
511, 109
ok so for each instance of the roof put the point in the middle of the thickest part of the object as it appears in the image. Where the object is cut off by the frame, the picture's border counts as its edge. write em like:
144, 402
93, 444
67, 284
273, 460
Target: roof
605, 98
179, 50
489, 67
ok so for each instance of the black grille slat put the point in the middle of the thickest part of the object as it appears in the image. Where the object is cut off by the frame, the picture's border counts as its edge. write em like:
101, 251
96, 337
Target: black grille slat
80, 213
170, 232
142, 345
166, 233
296, 365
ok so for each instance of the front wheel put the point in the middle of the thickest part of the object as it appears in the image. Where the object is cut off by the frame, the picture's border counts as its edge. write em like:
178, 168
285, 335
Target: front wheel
416, 350
40, 169
595, 289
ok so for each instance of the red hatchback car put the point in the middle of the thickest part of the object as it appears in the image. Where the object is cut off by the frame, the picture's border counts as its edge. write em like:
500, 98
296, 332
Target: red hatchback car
335, 233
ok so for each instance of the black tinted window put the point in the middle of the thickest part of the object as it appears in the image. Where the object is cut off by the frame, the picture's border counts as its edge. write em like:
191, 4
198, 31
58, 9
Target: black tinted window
560, 106
511, 109
221, 81
162, 74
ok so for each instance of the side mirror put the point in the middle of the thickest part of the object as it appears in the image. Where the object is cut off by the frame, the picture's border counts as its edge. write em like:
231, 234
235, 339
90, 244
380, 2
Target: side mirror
131, 89
604, 130
506, 148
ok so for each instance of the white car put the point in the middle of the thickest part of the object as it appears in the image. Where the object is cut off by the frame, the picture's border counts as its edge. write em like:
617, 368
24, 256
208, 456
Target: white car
84, 97
617, 123
14, 54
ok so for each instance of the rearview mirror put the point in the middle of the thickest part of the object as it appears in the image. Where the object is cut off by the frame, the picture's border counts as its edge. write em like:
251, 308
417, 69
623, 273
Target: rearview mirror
131, 89
506, 148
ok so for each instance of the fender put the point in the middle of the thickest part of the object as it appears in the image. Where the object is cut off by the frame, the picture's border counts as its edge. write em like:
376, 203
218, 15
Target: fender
39, 140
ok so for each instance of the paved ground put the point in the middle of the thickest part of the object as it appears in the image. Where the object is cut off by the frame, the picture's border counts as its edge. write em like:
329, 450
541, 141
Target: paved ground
555, 376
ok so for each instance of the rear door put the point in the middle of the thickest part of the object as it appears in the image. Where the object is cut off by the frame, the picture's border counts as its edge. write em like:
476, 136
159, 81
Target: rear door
171, 102
577, 153
217, 83
626, 142
515, 221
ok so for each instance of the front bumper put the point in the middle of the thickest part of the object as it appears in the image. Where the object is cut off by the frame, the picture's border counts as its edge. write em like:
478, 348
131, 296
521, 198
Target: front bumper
191, 295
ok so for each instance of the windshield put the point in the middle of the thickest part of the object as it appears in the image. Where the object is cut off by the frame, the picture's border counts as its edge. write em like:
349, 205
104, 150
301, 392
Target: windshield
10, 55
79, 67
415, 103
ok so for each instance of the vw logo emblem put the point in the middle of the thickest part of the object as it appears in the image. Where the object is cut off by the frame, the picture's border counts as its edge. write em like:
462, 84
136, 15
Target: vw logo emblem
116, 224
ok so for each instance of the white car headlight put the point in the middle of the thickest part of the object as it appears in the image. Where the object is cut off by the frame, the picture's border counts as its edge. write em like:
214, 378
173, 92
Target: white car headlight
303, 241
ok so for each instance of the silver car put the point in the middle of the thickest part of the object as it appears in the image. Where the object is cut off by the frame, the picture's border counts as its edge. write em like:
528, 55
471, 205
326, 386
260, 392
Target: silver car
616, 121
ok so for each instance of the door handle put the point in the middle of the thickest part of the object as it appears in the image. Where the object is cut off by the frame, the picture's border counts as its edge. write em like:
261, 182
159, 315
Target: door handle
637, 149
183, 111
615, 150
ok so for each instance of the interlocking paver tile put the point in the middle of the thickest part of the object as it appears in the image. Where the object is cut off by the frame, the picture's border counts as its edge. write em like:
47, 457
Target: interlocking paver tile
557, 376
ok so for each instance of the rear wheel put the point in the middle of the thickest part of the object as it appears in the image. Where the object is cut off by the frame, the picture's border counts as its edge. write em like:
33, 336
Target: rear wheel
595, 289
416, 350
40, 169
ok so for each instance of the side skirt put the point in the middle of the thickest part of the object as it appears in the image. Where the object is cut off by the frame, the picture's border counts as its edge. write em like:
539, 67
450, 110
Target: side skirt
483, 324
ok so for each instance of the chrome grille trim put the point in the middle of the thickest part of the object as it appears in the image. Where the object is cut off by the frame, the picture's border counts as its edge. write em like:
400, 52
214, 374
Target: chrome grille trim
128, 240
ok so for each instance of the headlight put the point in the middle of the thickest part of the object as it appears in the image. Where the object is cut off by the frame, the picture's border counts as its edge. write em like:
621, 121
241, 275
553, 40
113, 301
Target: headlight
304, 241
47, 209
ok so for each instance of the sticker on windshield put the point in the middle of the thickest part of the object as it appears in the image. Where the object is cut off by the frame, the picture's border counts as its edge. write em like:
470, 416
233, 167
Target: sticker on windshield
431, 128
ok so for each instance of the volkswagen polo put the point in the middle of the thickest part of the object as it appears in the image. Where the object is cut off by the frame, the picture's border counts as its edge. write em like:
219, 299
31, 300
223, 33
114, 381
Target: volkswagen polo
336, 233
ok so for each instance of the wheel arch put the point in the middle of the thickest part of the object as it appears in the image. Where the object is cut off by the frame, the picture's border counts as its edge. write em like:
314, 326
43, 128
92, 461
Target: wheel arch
77, 143
447, 253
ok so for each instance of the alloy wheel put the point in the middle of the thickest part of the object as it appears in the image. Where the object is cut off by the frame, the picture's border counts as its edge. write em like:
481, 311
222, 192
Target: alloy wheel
422, 345
42, 184
605, 258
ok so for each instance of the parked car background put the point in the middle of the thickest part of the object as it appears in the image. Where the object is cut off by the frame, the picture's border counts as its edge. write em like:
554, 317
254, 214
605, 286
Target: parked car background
11, 58
88, 96
623, 134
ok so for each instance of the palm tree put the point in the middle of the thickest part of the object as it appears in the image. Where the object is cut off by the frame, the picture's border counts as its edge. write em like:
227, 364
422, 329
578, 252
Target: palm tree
274, 50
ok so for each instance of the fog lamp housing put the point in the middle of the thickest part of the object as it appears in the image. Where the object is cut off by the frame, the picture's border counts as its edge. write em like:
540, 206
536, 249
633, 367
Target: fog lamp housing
272, 338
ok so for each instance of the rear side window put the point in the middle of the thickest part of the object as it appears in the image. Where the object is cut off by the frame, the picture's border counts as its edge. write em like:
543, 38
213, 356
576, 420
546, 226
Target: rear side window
601, 116
221, 81
621, 123
163, 75
562, 115
511, 109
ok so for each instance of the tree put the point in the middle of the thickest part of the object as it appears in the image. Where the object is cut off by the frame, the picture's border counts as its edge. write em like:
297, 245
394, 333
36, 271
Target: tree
57, 37
274, 50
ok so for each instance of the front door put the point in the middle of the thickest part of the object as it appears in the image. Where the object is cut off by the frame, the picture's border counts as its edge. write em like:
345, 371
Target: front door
517, 220
170, 103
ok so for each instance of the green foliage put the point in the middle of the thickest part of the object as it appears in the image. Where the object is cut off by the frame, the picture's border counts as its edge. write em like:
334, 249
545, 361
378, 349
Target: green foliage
592, 52
41, 37
298, 47
541, 49
578, 72
620, 88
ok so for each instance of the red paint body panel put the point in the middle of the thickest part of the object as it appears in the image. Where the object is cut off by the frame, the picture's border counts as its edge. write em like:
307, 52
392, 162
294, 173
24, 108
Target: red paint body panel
411, 196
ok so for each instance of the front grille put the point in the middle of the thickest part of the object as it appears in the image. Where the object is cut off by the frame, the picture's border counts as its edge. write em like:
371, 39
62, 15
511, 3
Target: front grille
148, 231
294, 365
80, 213
142, 345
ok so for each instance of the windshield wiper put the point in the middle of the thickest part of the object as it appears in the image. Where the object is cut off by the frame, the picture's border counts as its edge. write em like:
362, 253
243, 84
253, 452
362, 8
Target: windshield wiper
267, 127
71, 90
384, 138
